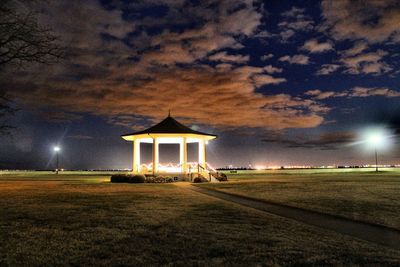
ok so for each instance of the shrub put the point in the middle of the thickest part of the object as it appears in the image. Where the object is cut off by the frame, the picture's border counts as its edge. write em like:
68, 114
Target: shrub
222, 177
200, 179
197, 180
119, 178
159, 179
140, 178
154, 179
150, 179
127, 178
137, 178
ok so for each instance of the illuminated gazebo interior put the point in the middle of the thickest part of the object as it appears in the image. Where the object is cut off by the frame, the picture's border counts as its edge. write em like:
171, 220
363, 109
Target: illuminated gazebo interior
169, 131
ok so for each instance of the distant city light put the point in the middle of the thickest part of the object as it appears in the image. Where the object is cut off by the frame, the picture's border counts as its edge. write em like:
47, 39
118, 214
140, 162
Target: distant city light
260, 167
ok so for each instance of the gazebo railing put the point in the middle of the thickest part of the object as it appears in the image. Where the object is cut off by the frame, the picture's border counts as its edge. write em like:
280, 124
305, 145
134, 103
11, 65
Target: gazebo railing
206, 171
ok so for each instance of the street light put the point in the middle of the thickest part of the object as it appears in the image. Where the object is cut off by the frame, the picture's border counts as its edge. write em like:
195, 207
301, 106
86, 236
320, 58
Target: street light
56, 150
375, 139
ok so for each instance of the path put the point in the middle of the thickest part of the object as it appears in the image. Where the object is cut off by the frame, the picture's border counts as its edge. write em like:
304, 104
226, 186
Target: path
370, 232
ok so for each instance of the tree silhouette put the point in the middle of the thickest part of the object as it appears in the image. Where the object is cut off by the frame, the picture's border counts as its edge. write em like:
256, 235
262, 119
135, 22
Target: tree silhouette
22, 41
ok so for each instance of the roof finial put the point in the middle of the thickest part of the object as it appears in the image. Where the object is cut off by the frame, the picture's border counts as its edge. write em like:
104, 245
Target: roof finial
169, 113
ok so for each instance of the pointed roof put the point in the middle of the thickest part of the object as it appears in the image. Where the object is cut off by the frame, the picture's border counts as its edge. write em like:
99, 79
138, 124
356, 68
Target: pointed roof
169, 126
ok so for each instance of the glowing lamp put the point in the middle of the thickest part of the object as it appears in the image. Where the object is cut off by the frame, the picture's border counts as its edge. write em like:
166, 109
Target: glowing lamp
376, 139
57, 149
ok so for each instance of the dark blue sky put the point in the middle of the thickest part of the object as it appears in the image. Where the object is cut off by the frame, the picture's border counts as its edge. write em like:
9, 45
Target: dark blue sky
280, 82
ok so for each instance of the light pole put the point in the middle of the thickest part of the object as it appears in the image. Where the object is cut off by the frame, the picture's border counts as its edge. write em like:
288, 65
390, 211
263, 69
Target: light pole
56, 150
375, 140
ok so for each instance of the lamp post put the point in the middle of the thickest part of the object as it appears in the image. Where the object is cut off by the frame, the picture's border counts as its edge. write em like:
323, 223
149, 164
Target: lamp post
375, 140
56, 150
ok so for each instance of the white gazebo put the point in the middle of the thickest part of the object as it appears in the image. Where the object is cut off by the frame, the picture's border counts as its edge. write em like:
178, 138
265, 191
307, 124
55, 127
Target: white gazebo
169, 131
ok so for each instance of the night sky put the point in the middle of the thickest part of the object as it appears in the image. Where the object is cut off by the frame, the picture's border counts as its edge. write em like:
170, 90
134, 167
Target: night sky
279, 82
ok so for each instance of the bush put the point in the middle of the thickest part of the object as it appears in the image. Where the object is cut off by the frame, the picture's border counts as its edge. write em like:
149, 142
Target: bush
158, 179
119, 178
200, 179
137, 178
222, 177
127, 178
197, 180
150, 179
140, 178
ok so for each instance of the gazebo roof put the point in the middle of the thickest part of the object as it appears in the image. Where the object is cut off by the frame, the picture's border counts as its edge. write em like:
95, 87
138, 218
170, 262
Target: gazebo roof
169, 126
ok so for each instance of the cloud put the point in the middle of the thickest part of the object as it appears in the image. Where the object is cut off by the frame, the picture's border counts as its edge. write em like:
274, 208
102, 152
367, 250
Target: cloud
373, 21
271, 69
286, 34
296, 59
263, 34
357, 48
294, 21
357, 91
223, 56
80, 137
375, 91
327, 69
298, 25
325, 141
294, 12
128, 78
367, 63
313, 46
196, 95
57, 116
260, 80
266, 57
355, 61
318, 94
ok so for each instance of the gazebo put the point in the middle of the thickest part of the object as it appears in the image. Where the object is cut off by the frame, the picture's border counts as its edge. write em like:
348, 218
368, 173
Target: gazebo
169, 131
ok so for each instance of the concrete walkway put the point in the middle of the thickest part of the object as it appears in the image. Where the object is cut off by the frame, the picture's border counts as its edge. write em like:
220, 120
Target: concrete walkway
370, 232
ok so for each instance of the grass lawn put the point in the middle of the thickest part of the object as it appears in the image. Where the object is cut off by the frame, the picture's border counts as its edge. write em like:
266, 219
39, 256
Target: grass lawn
362, 195
85, 220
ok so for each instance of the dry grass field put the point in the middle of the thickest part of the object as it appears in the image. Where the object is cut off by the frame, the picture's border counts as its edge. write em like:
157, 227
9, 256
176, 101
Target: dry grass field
358, 194
81, 219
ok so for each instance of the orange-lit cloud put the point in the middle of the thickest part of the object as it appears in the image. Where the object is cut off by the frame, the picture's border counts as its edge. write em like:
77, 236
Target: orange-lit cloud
164, 71
357, 91
374, 21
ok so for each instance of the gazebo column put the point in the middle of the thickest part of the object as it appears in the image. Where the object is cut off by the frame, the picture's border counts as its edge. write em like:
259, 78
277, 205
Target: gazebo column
155, 156
136, 156
183, 155
202, 153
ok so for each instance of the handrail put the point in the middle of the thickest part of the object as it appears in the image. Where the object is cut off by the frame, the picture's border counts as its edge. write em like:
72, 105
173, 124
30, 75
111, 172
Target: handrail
210, 172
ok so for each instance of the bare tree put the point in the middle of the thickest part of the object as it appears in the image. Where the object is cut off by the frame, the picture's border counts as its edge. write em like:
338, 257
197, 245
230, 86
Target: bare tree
6, 110
22, 41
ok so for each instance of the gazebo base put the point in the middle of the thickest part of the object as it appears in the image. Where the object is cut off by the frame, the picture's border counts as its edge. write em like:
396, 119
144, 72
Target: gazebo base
189, 177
